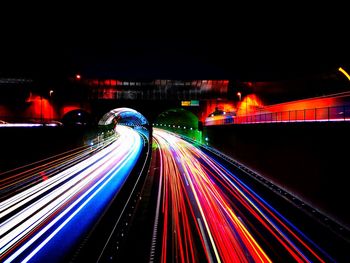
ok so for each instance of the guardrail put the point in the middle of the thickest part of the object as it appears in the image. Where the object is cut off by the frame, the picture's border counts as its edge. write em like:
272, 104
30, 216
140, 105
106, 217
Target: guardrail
18, 119
336, 113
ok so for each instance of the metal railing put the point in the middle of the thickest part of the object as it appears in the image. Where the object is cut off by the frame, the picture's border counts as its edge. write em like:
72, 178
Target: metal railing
19, 119
336, 113
328, 114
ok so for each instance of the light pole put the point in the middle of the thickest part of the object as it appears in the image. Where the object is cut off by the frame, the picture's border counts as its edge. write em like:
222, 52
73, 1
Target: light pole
246, 108
51, 116
239, 94
41, 108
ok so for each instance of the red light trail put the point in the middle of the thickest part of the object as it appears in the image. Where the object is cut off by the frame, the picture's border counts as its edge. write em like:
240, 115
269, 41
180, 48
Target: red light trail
207, 212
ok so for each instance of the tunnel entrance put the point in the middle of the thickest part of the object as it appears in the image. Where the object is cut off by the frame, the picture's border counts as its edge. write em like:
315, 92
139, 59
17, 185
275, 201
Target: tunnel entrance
78, 117
124, 116
179, 121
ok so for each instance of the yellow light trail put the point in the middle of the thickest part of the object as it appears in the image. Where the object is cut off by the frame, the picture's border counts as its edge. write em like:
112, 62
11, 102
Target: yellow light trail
344, 72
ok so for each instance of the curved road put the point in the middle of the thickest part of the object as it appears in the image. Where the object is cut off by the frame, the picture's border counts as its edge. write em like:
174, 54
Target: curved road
205, 213
48, 215
194, 207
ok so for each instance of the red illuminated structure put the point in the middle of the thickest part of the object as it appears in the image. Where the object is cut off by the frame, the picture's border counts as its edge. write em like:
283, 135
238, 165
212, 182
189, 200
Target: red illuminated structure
335, 107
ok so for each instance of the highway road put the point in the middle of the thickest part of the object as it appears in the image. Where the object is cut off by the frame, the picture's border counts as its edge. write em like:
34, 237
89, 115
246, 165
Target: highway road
46, 211
195, 205
207, 213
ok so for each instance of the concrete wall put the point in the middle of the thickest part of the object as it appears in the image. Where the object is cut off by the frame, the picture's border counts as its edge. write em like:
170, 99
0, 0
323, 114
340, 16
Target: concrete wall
310, 160
20, 146
38, 108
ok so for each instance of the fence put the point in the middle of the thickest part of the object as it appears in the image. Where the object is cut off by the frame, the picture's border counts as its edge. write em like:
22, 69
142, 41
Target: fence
336, 113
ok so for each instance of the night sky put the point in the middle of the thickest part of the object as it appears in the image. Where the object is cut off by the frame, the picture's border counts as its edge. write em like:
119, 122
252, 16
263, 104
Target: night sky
174, 42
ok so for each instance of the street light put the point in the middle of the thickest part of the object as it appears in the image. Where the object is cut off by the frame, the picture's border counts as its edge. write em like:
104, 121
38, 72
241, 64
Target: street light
41, 108
239, 94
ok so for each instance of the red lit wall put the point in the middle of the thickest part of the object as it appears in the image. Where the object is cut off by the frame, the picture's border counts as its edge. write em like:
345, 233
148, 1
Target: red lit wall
67, 108
211, 105
326, 108
39, 108
303, 104
4, 112
249, 104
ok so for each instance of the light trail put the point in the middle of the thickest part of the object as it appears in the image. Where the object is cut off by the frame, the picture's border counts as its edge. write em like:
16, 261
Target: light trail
345, 73
21, 178
208, 211
44, 221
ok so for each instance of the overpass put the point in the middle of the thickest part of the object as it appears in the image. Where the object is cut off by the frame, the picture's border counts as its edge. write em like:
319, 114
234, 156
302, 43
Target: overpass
86, 101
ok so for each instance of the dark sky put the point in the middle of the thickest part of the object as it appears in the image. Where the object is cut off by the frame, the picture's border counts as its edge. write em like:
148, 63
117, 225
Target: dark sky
174, 42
